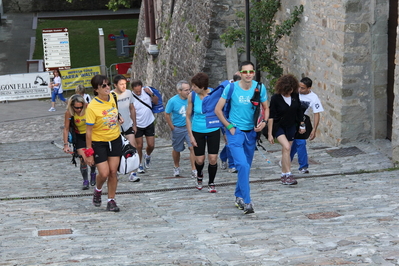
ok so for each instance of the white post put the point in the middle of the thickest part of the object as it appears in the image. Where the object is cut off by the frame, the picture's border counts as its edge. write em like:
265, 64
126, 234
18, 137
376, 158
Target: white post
102, 50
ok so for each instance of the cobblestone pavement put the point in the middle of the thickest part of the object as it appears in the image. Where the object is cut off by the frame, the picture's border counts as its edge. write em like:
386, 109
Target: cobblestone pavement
345, 212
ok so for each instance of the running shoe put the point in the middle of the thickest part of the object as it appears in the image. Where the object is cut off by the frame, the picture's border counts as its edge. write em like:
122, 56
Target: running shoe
85, 185
198, 184
176, 171
133, 177
239, 203
147, 161
193, 173
97, 198
290, 180
212, 188
52, 109
111, 206
248, 208
233, 170
304, 170
223, 166
141, 170
93, 179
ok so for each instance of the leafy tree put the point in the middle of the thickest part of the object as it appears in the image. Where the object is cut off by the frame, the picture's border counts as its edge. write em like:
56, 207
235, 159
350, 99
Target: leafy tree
114, 4
264, 34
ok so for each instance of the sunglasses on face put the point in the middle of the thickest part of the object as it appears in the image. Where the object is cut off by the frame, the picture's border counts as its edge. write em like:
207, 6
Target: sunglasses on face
247, 71
105, 85
81, 107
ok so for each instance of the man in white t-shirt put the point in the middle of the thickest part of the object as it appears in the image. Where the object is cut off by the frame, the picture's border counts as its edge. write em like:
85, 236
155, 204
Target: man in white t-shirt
144, 98
309, 100
128, 112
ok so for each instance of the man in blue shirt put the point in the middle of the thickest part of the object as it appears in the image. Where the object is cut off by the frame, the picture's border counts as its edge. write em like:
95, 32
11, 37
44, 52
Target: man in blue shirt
241, 129
175, 115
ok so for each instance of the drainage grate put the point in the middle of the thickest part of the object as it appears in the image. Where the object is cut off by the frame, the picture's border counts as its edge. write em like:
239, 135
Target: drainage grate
344, 152
55, 232
323, 215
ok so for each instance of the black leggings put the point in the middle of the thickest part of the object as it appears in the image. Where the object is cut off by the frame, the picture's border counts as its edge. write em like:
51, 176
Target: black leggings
211, 139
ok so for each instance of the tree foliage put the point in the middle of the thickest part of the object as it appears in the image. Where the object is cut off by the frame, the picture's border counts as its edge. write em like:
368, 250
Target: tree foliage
265, 33
113, 4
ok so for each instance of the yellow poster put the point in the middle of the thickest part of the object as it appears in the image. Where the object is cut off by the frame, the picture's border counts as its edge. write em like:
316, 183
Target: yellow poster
75, 76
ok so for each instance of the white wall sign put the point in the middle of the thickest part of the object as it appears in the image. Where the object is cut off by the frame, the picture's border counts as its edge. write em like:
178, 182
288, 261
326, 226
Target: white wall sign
25, 86
56, 49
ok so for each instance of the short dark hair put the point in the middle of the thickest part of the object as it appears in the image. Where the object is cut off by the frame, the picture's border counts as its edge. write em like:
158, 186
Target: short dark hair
286, 83
307, 81
119, 77
236, 77
136, 83
201, 80
245, 63
96, 81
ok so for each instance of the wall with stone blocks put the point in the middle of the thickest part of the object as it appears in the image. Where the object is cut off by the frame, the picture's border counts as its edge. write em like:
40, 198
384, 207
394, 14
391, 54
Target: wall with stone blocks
395, 117
341, 45
188, 42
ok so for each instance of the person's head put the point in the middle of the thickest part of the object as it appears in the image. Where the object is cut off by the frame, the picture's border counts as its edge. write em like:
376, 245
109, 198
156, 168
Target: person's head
56, 73
237, 76
137, 85
80, 89
247, 71
183, 89
305, 85
76, 105
100, 85
200, 82
286, 85
120, 82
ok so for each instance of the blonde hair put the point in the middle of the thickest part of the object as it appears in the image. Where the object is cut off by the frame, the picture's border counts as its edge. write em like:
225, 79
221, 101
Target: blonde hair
80, 89
76, 98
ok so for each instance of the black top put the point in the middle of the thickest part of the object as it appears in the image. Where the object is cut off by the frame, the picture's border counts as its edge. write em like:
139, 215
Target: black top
286, 115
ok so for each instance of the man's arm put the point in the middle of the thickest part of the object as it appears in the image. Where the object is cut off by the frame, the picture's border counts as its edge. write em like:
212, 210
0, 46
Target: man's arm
133, 116
169, 121
312, 135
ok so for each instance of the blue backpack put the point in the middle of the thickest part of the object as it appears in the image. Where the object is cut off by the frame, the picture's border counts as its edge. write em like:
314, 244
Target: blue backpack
156, 108
210, 101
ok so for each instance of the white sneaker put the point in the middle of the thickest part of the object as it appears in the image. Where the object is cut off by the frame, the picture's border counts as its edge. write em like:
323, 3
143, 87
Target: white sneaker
133, 177
194, 174
52, 109
176, 171
147, 161
223, 166
140, 170
233, 170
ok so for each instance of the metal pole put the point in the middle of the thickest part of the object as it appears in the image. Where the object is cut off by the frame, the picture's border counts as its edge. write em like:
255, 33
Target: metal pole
247, 31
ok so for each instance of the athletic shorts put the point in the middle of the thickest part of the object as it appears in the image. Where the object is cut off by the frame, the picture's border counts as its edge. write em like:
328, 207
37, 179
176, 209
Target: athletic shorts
130, 131
148, 131
289, 132
80, 141
179, 136
211, 140
104, 149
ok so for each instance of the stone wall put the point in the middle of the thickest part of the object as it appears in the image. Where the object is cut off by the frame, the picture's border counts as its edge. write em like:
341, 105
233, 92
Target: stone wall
395, 116
341, 45
188, 42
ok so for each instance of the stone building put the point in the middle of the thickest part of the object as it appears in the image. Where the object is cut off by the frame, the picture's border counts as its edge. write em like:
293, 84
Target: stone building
340, 44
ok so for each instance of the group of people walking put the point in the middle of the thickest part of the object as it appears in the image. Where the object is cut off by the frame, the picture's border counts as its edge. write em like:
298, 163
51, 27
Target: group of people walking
99, 126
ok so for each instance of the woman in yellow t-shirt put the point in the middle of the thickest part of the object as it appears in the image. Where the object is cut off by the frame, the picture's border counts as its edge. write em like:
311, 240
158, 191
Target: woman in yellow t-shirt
103, 141
76, 110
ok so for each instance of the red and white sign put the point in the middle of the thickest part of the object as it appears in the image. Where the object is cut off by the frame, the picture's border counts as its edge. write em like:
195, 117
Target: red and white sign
56, 49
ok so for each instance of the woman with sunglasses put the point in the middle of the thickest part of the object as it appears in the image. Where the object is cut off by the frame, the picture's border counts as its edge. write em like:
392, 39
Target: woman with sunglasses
76, 111
103, 141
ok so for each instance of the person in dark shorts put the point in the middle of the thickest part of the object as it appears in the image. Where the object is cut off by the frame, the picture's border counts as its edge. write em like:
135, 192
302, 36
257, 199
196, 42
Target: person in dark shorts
103, 140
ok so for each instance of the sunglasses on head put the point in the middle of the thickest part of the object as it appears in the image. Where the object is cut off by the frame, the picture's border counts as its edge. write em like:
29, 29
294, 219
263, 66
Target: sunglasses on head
81, 107
105, 85
247, 71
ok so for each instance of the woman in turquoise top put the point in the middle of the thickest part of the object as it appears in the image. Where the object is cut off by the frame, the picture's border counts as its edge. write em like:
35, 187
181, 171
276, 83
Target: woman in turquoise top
200, 135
